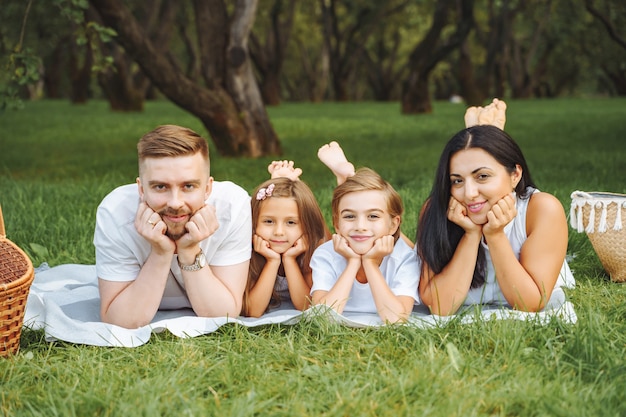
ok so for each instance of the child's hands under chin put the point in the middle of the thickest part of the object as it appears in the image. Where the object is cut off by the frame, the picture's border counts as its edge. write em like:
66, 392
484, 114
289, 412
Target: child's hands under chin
262, 247
457, 214
342, 248
297, 249
501, 214
382, 247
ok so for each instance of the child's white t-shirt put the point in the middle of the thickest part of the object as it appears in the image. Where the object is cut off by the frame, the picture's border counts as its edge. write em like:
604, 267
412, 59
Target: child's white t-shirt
400, 269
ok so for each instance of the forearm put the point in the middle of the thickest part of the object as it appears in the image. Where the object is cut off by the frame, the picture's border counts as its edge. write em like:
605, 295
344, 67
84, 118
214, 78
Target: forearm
445, 292
299, 288
337, 296
389, 306
209, 296
137, 303
260, 295
518, 287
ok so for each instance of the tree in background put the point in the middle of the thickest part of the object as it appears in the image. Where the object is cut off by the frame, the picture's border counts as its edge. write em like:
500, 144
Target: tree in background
269, 54
612, 17
228, 101
432, 49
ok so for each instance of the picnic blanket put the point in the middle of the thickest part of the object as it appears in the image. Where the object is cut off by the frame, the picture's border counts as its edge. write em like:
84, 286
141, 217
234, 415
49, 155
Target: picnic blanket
64, 302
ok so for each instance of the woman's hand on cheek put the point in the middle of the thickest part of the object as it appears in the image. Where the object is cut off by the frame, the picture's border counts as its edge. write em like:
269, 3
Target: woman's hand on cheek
457, 214
342, 248
501, 214
262, 247
298, 248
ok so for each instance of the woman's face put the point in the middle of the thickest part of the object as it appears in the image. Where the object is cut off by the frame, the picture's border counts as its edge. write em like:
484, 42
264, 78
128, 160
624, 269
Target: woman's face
478, 181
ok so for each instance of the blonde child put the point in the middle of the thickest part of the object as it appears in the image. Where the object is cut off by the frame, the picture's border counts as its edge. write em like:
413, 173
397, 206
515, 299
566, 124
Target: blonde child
366, 267
287, 227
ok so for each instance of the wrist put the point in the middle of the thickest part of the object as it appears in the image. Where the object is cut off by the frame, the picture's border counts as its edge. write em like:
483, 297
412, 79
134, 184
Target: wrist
187, 255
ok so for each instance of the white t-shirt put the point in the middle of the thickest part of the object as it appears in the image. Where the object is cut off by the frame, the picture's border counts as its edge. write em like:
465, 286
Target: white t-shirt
121, 251
490, 292
400, 269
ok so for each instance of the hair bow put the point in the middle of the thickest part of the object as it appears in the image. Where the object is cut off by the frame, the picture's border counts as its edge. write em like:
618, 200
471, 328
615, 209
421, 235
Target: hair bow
265, 192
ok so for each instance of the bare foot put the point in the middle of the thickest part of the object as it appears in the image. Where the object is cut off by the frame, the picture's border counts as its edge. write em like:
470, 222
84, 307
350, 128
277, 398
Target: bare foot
471, 116
278, 169
492, 114
333, 157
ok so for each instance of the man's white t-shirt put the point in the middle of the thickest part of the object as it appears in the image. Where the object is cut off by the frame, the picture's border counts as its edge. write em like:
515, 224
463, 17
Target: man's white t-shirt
121, 251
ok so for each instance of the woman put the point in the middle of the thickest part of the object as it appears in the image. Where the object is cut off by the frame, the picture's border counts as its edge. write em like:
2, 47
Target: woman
486, 235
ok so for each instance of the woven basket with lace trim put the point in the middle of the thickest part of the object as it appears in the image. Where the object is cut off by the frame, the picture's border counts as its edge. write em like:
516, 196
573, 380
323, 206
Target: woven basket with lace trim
599, 215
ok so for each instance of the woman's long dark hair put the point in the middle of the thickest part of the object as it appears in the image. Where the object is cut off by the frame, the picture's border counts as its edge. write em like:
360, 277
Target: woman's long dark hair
437, 237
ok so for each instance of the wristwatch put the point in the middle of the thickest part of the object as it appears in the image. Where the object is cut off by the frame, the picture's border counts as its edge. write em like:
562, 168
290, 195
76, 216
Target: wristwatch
197, 265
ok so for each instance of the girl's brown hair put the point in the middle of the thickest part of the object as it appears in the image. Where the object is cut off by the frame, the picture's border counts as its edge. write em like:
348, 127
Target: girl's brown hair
314, 229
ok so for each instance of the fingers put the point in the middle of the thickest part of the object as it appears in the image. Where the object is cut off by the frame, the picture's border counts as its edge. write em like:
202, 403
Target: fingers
202, 224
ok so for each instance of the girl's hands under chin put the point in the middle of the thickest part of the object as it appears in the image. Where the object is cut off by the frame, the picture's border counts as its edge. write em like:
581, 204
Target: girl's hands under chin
457, 214
298, 248
262, 247
382, 247
501, 214
342, 248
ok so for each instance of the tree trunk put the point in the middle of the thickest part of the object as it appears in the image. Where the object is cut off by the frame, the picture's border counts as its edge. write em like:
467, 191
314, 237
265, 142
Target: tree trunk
230, 105
469, 87
268, 59
80, 72
416, 97
431, 50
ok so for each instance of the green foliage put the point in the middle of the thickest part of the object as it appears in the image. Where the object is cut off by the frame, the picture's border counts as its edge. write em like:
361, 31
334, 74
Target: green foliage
57, 162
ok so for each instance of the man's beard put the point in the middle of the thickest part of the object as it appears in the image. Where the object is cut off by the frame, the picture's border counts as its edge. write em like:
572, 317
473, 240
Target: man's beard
174, 235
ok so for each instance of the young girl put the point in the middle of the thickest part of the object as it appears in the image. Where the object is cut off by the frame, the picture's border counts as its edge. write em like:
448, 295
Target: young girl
287, 227
366, 267
486, 234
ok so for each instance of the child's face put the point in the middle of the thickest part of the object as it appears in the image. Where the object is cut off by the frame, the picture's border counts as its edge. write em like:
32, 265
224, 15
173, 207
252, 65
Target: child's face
363, 218
279, 223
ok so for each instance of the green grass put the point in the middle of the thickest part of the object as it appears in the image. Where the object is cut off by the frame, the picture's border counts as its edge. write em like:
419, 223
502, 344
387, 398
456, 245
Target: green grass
57, 161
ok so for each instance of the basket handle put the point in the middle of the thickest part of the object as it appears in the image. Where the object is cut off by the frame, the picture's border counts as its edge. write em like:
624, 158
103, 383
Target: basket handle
2, 233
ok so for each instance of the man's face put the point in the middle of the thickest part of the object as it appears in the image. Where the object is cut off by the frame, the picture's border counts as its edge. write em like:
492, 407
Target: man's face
175, 188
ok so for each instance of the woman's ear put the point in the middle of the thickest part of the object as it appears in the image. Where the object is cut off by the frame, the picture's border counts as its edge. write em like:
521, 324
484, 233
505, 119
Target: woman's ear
516, 176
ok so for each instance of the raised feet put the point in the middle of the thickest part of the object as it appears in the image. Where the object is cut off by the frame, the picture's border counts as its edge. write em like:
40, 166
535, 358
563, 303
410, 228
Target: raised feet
333, 157
278, 169
492, 114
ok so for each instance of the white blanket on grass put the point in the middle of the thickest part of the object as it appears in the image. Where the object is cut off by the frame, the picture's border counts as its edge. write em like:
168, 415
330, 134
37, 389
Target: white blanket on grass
64, 301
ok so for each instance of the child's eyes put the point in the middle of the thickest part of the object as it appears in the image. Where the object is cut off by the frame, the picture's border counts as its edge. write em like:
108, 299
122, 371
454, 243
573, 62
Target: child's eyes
267, 221
292, 223
373, 216
348, 216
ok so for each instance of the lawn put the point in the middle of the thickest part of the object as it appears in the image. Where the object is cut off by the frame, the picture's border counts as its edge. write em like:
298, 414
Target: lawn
57, 161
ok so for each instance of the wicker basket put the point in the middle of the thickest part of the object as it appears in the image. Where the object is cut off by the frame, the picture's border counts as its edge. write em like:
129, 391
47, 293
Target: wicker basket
600, 215
16, 276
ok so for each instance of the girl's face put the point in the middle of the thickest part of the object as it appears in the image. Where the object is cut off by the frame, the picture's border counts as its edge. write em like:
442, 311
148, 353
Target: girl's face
363, 218
279, 223
478, 181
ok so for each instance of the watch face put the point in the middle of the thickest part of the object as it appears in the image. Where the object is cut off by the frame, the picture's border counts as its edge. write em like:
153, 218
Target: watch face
201, 260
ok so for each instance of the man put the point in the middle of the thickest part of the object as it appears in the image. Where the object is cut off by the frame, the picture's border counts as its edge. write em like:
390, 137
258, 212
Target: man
177, 239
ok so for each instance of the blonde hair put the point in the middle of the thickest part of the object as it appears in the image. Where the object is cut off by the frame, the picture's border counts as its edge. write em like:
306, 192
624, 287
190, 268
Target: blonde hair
366, 179
314, 228
170, 141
